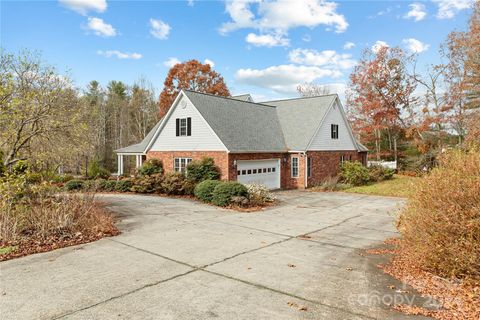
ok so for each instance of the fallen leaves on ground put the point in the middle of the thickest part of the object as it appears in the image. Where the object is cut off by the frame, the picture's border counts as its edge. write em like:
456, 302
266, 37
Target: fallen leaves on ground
297, 306
291, 265
459, 299
29, 245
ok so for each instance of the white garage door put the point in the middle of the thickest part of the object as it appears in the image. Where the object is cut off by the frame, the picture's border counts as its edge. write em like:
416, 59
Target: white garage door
266, 172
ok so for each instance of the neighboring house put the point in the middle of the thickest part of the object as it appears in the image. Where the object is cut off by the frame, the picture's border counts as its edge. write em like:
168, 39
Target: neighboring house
293, 143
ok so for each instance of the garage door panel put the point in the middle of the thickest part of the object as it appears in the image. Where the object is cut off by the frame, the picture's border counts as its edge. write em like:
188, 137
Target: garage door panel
265, 172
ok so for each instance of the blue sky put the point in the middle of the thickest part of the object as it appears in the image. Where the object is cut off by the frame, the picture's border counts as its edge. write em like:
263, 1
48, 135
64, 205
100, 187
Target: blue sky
262, 47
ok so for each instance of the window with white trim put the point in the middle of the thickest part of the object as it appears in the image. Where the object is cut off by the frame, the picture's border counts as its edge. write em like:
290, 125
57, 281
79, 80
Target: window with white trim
180, 164
334, 131
342, 159
294, 167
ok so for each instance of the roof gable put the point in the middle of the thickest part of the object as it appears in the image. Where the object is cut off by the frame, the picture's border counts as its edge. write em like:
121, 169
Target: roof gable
300, 118
241, 125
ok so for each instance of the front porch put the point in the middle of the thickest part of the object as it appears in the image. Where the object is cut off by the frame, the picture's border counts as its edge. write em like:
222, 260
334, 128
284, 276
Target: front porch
139, 159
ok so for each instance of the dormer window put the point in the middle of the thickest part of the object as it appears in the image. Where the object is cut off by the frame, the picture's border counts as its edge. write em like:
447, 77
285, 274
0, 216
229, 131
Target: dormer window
183, 127
334, 131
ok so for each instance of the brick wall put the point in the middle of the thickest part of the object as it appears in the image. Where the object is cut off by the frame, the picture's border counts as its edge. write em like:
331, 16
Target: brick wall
167, 157
324, 163
327, 164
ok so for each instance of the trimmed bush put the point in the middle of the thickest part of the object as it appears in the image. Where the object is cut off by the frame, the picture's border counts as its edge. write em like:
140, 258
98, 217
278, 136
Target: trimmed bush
440, 224
204, 190
123, 185
258, 194
148, 184
225, 190
332, 184
378, 173
74, 185
189, 187
201, 170
173, 183
150, 167
96, 171
354, 173
109, 185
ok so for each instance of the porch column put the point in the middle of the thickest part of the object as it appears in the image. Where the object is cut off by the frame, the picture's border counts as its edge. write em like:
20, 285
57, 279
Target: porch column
120, 164
140, 161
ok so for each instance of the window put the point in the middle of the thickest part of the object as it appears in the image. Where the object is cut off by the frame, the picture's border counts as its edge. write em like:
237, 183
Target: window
334, 131
238, 173
309, 167
294, 167
180, 164
254, 171
273, 169
183, 127
342, 159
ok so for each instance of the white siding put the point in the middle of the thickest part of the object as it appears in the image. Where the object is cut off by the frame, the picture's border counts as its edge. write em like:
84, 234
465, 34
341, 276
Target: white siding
323, 140
202, 139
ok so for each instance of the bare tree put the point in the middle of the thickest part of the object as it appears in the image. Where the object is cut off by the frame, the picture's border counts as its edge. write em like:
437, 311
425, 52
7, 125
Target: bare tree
312, 89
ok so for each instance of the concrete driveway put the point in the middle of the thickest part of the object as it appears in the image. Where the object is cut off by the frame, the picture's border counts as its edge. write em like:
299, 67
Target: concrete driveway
179, 259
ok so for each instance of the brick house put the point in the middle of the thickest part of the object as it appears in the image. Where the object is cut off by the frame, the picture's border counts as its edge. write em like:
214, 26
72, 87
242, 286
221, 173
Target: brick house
293, 143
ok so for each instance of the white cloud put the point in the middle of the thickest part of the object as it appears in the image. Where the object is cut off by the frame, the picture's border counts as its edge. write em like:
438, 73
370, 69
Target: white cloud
101, 28
378, 45
283, 78
159, 29
282, 15
170, 62
190, 3
326, 58
119, 54
415, 46
447, 9
417, 12
84, 6
267, 40
210, 62
348, 45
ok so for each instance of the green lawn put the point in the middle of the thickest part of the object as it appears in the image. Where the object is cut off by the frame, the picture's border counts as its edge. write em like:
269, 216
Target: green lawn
399, 186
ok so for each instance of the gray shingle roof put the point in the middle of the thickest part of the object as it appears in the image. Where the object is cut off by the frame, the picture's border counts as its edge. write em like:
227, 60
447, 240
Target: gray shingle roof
243, 97
140, 147
301, 117
241, 125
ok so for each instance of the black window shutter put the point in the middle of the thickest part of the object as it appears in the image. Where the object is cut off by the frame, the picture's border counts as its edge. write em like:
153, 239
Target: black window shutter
189, 126
331, 131
178, 127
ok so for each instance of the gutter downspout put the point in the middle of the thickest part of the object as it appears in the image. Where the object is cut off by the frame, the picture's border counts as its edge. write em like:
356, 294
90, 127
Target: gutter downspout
305, 158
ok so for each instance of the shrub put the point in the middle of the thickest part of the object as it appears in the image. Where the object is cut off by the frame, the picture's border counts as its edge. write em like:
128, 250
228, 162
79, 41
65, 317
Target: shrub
332, 184
173, 183
200, 170
63, 178
259, 195
123, 185
109, 185
2, 166
90, 185
20, 167
225, 190
440, 224
189, 187
354, 173
378, 173
204, 190
74, 185
148, 184
150, 167
41, 216
34, 177
96, 171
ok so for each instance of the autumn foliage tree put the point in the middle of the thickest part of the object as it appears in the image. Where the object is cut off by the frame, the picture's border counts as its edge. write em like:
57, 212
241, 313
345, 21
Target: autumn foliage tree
380, 96
190, 75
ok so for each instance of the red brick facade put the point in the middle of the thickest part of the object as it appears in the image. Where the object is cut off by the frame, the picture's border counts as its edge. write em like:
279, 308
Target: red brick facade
324, 163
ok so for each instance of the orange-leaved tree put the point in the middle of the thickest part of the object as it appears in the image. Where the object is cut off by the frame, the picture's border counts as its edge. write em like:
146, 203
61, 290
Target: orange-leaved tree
190, 75
380, 96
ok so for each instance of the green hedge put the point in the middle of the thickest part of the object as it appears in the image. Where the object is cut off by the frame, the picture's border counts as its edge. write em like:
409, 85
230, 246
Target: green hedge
201, 170
74, 185
354, 173
150, 167
204, 190
224, 191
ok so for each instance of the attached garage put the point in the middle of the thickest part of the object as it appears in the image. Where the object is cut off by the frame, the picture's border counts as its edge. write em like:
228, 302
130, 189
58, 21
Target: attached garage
265, 172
